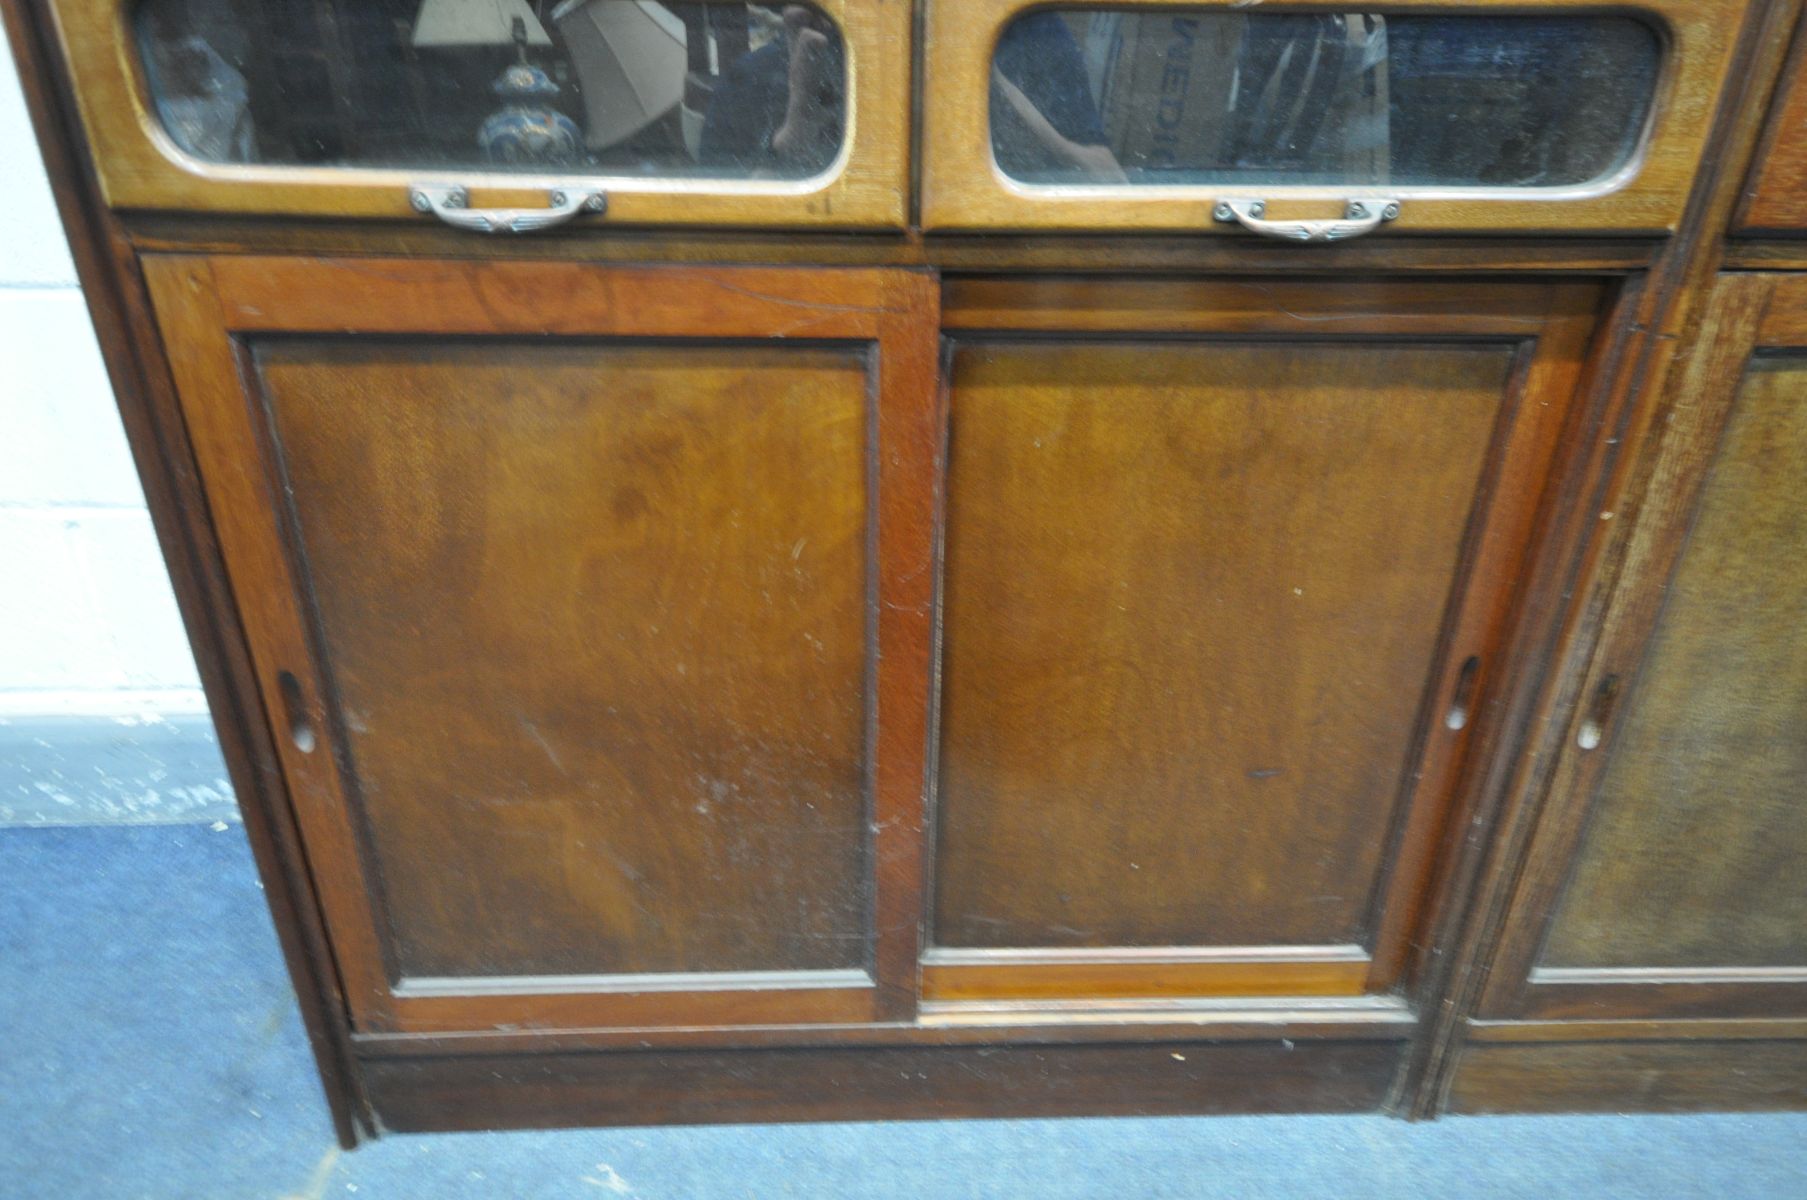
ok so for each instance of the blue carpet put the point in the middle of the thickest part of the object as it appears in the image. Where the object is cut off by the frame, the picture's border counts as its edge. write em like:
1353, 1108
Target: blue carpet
150, 1047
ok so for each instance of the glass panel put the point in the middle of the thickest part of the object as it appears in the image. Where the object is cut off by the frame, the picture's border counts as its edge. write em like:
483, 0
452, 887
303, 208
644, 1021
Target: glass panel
1195, 96
619, 87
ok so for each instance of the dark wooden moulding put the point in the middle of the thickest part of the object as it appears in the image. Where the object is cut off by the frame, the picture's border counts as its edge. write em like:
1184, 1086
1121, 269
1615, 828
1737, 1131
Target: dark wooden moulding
1436, 1018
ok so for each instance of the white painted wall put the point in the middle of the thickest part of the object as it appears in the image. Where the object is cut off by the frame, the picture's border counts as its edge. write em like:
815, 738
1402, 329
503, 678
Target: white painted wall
88, 625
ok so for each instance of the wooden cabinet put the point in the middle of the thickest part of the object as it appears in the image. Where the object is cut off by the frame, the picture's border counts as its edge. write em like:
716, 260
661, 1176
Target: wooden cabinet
949, 638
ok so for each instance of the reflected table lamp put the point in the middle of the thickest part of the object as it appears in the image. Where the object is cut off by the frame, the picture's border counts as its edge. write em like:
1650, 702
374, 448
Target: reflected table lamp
526, 129
631, 57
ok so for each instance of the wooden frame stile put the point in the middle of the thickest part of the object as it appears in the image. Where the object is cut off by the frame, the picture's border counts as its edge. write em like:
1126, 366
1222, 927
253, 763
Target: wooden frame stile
1570, 515
963, 189
1568, 518
138, 370
207, 305
1772, 202
1581, 565
1555, 324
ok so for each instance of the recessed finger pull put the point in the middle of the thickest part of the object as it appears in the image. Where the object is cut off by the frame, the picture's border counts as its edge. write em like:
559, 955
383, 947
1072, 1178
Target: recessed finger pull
1461, 702
1593, 726
294, 712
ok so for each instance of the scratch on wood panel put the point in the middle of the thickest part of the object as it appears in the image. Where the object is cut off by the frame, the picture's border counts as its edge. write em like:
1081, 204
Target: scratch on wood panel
408, 273
802, 325
533, 731
913, 574
794, 302
1529, 323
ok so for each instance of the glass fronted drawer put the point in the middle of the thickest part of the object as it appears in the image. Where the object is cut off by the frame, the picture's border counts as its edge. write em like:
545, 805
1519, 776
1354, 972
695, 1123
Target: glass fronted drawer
684, 112
1315, 123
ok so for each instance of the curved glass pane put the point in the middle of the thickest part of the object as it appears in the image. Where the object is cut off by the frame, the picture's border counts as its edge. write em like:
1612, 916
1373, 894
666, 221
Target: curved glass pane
618, 87
1201, 96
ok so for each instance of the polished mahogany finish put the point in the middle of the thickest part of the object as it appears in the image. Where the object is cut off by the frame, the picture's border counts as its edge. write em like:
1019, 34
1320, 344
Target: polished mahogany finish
748, 656
1224, 566
503, 584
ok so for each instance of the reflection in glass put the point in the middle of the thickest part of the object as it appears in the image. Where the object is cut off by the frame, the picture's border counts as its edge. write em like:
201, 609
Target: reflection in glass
697, 88
1191, 96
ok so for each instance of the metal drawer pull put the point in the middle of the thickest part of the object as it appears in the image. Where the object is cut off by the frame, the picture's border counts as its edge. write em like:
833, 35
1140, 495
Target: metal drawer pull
452, 204
1362, 216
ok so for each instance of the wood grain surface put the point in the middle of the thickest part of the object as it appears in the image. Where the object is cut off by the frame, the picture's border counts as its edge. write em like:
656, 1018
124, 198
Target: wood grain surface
1694, 858
1776, 199
502, 579
596, 620
1192, 597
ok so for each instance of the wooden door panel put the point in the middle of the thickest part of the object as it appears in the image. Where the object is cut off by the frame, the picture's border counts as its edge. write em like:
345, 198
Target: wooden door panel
1209, 570
1193, 592
1663, 879
593, 717
595, 616
1694, 858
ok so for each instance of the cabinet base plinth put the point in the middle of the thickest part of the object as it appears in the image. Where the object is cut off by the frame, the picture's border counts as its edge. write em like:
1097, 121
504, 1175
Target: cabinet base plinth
660, 1087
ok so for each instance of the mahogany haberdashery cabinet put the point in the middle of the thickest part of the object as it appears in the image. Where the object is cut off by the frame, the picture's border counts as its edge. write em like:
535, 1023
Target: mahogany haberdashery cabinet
875, 560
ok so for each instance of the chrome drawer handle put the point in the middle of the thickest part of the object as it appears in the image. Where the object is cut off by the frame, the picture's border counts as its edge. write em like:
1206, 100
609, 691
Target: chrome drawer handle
451, 203
1362, 216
